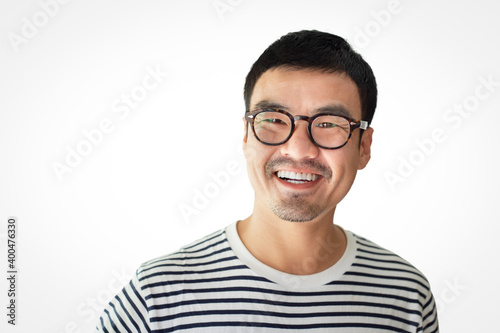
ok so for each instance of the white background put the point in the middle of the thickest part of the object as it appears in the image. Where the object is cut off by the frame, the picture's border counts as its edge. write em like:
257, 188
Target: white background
81, 237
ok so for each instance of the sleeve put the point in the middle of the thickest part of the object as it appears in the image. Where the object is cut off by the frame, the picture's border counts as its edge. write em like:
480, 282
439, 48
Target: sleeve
429, 316
126, 312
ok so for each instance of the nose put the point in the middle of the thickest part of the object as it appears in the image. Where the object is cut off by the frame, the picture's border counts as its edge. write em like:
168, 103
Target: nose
300, 146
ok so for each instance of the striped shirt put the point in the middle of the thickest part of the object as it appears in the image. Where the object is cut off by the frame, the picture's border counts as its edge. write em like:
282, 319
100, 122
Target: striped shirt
216, 285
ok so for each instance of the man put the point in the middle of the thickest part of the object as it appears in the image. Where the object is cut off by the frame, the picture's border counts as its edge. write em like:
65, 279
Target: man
287, 267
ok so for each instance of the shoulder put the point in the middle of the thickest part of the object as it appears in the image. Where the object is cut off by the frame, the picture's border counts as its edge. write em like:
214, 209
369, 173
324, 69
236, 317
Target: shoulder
385, 266
202, 252
381, 272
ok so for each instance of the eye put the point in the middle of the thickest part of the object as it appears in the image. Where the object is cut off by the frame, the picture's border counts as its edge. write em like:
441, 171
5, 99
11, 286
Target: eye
273, 121
326, 125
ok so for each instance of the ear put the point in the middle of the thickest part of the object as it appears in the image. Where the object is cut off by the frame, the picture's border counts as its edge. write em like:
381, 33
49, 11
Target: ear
245, 130
365, 148
245, 137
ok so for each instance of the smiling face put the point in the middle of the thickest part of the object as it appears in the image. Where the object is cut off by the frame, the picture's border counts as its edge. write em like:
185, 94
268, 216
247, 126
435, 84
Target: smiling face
298, 181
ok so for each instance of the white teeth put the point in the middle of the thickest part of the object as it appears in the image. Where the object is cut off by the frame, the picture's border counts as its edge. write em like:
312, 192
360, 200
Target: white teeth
296, 177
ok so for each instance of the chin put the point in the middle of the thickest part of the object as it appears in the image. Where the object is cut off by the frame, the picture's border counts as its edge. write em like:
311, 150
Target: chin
296, 210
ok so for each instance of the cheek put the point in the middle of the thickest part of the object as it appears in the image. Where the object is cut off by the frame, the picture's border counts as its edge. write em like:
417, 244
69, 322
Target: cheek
256, 158
344, 167
251, 154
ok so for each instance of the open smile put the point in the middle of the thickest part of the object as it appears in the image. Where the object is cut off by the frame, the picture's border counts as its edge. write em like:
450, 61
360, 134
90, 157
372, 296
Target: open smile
297, 177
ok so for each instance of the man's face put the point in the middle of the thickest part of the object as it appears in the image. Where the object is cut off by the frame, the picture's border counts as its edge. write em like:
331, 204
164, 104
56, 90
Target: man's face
331, 172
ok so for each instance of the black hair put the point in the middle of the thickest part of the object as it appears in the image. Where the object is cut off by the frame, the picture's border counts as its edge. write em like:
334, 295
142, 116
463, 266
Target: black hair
325, 52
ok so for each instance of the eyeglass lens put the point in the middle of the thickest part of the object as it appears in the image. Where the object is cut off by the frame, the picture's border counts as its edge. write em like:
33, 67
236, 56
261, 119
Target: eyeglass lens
328, 131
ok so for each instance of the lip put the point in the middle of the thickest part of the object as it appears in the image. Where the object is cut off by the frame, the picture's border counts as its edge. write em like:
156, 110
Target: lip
301, 186
298, 170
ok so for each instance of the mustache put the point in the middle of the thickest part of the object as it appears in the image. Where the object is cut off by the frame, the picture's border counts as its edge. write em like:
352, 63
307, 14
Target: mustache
315, 166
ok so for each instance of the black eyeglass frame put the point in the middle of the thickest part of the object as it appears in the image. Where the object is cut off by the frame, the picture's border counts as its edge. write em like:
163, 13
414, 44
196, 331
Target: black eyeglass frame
353, 124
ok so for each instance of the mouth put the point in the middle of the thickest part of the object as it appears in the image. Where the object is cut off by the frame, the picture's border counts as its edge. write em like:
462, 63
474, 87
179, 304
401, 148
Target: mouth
297, 177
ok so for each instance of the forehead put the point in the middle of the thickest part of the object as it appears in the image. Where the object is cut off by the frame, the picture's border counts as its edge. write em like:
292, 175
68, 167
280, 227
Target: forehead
305, 91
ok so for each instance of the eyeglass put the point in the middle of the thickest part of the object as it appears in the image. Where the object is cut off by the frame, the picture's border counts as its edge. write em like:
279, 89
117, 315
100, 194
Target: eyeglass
274, 127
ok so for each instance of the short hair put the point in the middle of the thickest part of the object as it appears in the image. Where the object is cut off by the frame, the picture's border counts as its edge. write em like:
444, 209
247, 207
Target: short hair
316, 50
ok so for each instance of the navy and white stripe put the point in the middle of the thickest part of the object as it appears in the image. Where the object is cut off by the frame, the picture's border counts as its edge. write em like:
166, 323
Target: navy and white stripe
212, 285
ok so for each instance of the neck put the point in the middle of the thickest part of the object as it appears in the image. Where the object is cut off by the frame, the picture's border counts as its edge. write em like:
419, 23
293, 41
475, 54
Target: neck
299, 248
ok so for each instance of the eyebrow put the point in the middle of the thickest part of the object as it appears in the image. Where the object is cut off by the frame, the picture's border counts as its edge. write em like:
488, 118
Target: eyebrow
336, 109
265, 104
